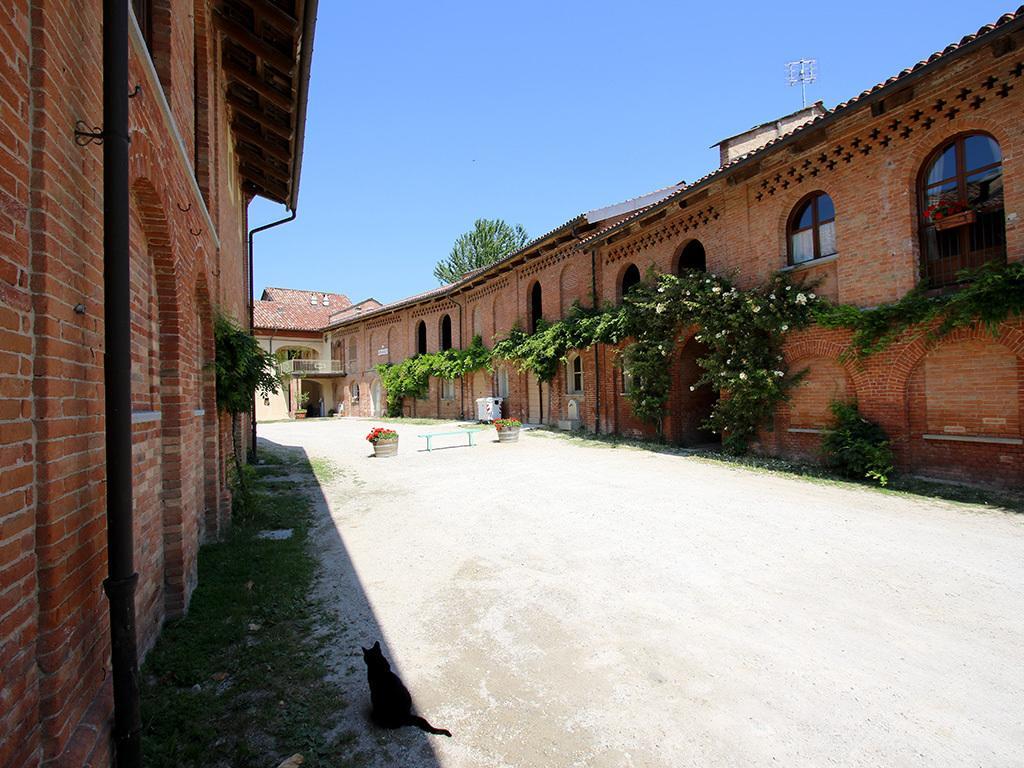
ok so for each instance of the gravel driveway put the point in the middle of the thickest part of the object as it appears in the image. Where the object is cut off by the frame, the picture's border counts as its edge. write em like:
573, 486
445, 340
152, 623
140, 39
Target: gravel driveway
556, 604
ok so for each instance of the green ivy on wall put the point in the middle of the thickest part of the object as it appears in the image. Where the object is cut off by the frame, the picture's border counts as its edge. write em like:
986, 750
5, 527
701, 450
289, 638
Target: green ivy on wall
742, 330
989, 295
411, 377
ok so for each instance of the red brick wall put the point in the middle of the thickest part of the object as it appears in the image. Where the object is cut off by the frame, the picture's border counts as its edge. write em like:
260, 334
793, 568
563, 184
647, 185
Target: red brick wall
54, 700
869, 165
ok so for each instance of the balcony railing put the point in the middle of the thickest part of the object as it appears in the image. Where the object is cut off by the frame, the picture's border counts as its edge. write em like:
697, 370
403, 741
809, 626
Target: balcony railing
312, 367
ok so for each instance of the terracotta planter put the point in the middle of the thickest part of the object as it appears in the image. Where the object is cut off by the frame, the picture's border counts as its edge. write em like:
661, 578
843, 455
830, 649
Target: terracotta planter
382, 449
299, 414
508, 435
955, 220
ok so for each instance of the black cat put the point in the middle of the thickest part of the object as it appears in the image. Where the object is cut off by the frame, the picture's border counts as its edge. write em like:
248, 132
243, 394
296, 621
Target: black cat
392, 704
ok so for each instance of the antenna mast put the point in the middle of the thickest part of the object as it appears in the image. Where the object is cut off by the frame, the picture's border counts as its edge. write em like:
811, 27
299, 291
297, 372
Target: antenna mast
802, 72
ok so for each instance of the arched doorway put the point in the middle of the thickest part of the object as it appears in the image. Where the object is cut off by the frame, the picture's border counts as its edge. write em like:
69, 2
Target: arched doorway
692, 258
630, 278
315, 392
694, 406
536, 307
376, 398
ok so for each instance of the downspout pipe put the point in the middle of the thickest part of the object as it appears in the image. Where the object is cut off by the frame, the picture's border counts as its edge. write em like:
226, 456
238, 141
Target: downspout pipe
122, 579
252, 306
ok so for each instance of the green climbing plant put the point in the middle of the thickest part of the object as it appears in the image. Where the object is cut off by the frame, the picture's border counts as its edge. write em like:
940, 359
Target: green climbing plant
411, 377
990, 295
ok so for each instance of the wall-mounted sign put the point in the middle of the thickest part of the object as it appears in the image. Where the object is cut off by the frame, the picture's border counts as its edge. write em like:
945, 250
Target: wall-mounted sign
382, 351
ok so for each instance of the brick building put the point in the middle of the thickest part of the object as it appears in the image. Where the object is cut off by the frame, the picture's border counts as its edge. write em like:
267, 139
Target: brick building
834, 196
217, 105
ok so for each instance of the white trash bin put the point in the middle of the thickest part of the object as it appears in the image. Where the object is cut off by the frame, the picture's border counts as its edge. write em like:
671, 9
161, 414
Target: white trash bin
488, 408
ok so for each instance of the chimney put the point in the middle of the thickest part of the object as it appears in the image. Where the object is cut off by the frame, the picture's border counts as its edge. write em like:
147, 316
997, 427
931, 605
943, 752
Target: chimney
744, 143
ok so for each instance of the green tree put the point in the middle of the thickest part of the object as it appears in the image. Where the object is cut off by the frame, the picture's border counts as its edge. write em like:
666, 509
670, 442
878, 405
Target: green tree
488, 241
243, 369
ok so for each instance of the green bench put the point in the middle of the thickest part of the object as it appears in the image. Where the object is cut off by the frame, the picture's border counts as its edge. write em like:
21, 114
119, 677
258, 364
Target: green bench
468, 432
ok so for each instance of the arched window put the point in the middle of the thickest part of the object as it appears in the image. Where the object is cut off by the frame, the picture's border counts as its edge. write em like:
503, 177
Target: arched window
478, 322
961, 203
692, 257
446, 332
812, 229
503, 382
574, 375
355, 393
536, 307
629, 278
421, 338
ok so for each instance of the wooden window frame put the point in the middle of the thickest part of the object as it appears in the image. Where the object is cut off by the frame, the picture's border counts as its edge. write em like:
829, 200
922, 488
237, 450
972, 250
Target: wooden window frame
963, 233
815, 228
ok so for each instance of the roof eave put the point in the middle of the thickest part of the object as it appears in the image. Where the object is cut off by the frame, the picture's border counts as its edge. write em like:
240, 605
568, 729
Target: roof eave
893, 84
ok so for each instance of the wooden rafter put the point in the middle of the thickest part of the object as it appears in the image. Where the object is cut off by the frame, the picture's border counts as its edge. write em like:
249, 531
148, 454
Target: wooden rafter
265, 75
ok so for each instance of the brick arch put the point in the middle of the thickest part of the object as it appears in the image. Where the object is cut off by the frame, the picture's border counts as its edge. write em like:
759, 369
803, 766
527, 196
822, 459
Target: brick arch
180, 521
964, 406
907, 357
909, 163
566, 294
620, 276
206, 402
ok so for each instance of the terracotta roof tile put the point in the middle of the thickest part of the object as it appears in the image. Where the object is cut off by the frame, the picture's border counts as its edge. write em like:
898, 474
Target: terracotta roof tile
291, 309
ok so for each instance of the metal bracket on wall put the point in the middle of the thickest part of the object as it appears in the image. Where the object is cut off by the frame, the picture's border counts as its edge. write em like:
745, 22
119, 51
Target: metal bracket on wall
84, 137
135, 91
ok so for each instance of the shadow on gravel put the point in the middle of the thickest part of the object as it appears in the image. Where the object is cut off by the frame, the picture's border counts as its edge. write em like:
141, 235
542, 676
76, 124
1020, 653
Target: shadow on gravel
359, 627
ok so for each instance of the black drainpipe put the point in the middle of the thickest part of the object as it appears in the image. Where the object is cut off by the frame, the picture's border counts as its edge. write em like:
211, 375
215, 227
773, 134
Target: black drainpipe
252, 309
117, 385
597, 359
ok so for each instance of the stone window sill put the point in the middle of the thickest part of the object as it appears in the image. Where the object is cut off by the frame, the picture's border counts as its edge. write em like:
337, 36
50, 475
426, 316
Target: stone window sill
976, 439
808, 264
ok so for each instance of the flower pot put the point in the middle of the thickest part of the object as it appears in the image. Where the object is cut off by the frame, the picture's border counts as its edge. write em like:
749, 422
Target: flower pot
955, 220
508, 435
382, 449
299, 414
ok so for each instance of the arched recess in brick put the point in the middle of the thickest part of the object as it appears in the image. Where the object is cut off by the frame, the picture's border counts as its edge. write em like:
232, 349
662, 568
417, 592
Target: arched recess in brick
690, 256
180, 518
824, 381
964, 409
206, 410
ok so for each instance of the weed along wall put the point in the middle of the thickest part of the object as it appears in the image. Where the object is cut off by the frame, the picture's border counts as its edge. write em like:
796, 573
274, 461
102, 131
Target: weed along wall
893, 200
188, 195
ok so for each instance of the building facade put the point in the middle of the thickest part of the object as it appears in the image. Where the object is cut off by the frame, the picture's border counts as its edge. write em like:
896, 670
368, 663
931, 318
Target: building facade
216, 110
840, 199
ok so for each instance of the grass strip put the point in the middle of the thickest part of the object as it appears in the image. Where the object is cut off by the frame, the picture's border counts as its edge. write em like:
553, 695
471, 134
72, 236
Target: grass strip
242, 679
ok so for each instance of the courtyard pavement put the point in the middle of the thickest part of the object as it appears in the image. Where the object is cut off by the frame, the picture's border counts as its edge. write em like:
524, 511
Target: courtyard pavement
557, 604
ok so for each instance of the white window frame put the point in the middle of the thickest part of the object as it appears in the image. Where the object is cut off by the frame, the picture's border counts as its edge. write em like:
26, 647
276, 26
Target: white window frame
571, 374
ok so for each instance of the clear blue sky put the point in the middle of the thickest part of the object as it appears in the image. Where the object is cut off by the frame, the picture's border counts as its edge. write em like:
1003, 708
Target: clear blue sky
426, 116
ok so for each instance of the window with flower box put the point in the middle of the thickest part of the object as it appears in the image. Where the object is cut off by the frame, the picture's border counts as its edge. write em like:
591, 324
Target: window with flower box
962, 221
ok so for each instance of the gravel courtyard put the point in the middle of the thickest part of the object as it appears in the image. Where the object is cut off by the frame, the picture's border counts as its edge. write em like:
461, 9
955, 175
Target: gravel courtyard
557, 604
